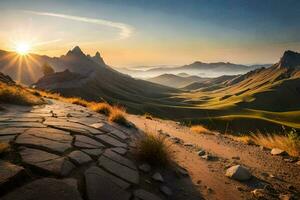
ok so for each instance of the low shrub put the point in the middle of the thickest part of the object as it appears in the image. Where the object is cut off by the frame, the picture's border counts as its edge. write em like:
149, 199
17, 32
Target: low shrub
15, 94
117, 115
153, 149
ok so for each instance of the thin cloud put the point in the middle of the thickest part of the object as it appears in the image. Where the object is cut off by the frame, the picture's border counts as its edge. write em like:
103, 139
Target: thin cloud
125, 29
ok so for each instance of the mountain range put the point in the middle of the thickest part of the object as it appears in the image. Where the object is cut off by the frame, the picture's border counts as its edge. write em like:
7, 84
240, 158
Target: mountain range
266, 96
197, 68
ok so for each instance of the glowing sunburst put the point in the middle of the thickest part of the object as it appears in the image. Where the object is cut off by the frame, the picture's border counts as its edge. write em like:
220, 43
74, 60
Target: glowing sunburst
23, 48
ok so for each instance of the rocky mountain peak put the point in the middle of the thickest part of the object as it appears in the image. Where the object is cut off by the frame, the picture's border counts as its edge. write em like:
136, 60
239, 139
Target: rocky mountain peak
76, 51
290, 59
98, 59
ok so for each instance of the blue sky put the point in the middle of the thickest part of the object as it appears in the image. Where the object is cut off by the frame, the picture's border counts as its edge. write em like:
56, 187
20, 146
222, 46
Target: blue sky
139, 32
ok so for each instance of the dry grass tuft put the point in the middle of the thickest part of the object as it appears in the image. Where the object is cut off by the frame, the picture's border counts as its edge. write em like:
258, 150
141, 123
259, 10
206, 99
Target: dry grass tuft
117, 115
3, 147
103, 108
289, 142
153, 149
148, 116
244, 139
15, 94
78, 101
200, 130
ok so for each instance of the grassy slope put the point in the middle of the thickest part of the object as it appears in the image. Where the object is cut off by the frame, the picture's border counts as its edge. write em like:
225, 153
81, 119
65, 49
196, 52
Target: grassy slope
262, 101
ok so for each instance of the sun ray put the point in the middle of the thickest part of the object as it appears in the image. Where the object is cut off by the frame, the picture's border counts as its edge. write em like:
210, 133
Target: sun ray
28, 67
10, 63
19, 69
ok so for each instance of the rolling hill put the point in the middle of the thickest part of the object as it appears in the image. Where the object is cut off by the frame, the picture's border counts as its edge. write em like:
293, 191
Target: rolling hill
176, 81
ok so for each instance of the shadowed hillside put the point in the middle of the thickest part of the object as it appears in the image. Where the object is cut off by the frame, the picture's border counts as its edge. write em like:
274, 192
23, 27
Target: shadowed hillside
93, 81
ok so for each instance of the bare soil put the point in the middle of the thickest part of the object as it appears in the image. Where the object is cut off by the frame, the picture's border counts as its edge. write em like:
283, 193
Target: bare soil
277, 176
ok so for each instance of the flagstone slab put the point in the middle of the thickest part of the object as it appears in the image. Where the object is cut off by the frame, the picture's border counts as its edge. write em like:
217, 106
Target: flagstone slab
93, 152
12, 131
83, 141
119, 170
72, 126
8, 171
46, 161
44, 189
49, 138
110, 129
119, 150
25, 119
100, 186
118, 158
111, 141
7, 138
22, 124
145, 195
79, 157
100, 172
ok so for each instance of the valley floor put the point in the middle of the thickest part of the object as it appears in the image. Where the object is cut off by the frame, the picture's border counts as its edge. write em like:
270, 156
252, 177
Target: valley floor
279, 177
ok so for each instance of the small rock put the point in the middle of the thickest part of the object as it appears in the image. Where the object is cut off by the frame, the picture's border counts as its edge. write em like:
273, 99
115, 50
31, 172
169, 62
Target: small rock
206, 157
290, 160
277, 152
157, 176
258, 193
145, 167
201, 153
239, 188
209, 189
298, 163
238, 172
285, 196
176, 140
188, 144
236, 158
166, 190
272, 176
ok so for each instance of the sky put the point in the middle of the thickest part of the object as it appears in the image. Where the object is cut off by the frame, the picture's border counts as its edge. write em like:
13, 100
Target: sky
155, 32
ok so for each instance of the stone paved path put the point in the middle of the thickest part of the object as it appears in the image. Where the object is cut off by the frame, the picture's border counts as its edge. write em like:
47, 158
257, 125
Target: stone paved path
64, 151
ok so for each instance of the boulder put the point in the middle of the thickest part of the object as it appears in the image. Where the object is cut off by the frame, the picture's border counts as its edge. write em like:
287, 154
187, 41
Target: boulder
238, 173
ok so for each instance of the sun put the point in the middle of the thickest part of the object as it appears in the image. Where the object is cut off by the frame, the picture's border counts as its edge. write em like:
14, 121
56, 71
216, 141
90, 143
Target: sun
23, 48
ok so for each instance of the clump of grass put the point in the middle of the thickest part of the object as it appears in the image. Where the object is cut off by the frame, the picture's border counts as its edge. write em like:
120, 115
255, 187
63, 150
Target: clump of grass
103, 108
148, 116
200, 130
153, 149
244, 139
117, 115
3, 147
15, 94
79, 101
289, 142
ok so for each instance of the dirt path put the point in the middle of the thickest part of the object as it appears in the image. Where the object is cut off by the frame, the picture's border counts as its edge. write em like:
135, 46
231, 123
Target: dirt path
282, 176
